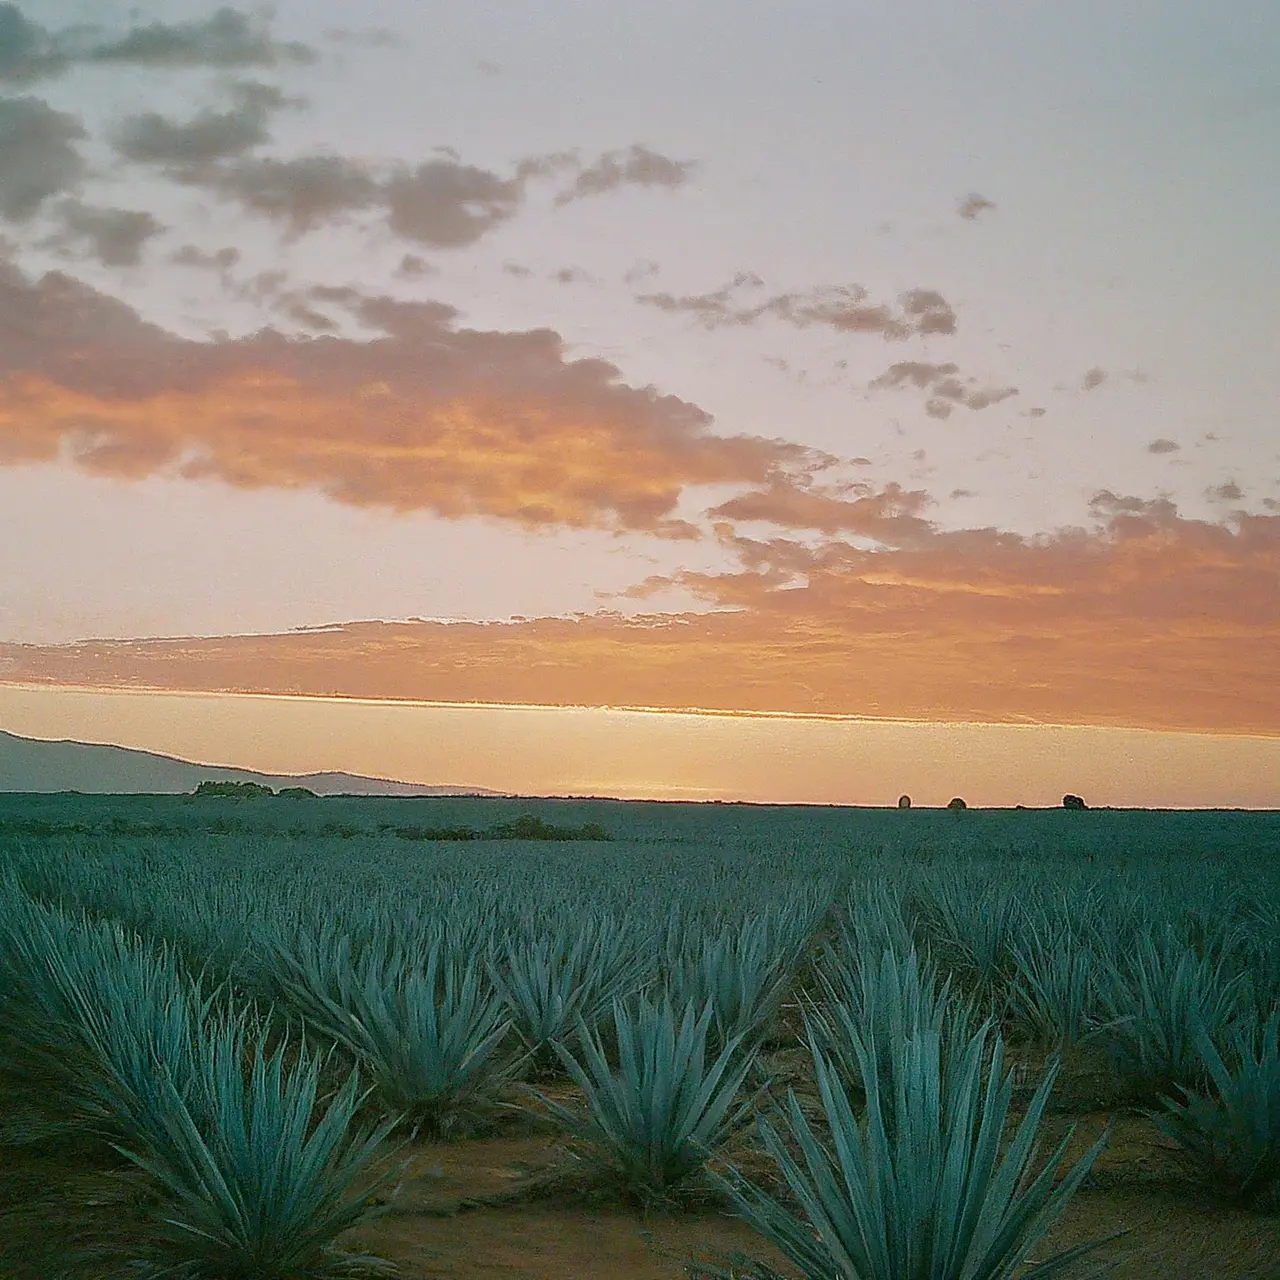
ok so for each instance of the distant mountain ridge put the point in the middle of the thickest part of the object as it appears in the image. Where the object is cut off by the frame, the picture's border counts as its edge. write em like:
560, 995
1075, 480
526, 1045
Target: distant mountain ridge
34, 764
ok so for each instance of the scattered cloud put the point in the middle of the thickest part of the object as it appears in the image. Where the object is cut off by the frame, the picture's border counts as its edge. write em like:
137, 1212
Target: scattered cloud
38, 156
843, 308
413, 267
1228, 491
302, 193
973, 205
645, 269
373, 37
572, 275
516, 269
220, 260
446, 204
426, 416
961, 493
890, 516
1093, 378
1034, 412
1147, 619
943, 382
28, 51
637, 166
227, 39
115, 237
209, 136
1163, 446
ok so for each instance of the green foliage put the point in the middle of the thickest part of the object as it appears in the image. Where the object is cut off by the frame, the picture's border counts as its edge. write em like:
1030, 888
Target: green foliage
1229, 1135
426, 1026
1160, 1001
235, 790
925, 1187
296, 793
569, 970
652, 1124
257, 1176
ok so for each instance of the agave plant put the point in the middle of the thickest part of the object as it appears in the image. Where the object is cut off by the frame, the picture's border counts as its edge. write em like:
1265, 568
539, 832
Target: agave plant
925, 1187
548, 983
1230, 1134
427, 1029
1056, 992
743, 974
1159, 1002
258, 1179
652, 1123
882, 1005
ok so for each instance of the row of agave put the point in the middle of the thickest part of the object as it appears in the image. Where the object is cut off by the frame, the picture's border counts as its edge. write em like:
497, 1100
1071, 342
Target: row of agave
662, 1084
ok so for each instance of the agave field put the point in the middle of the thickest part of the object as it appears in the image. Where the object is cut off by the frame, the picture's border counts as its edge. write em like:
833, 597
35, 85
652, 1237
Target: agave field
247, 1038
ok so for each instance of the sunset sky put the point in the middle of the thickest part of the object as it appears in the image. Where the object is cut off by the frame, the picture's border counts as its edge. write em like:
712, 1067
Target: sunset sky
900, 374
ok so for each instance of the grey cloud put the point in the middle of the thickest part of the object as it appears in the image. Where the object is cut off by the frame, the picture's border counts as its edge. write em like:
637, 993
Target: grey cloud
972, 205
573, 275
190, 255
843, 308
946, 388
516, 269
37, 155
447, 205
1163, 446
1093, 379
114, 236
228, 38
374, 37
28, 51
1226, 492
636, 167
151, 138
413, 267
302, 192
642, 270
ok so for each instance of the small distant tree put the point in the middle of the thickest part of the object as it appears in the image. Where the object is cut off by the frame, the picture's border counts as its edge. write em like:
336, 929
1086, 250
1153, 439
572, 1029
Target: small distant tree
236, 790
904, 802
957, 803
1073, 802
296, 793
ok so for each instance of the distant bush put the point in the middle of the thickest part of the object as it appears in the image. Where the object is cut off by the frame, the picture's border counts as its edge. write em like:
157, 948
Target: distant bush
957, 803
525, 827
296, 793
904, 802
237, 790
1073, 802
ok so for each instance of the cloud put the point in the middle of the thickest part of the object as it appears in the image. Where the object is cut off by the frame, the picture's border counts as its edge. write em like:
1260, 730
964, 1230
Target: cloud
1093, 378
635, 167
516, 269
114, 236
28, 51
973, 205
427, 416
1147, 619
447, 205
572, 275
302, 193
151, 138
843, 308
373, 37
945, 386
890, 515
220, 260
641, 270
1163, 446
38, 158
228, 38
413, 267
1228, 491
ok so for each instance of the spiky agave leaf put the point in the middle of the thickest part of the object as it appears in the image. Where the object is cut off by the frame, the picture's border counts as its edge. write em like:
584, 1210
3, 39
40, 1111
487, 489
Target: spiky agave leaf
743, 973
571, 971
260, 1186
1229, 1134
925, 1187
1158, 1002
881, 1004
1056, 993
653, 1122
426, 1028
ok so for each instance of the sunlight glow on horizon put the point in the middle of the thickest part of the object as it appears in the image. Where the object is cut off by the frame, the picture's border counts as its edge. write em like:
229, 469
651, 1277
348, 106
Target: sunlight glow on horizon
662, 754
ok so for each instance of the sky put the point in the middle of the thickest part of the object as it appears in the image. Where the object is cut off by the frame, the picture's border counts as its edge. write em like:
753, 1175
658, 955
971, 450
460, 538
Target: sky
838, 363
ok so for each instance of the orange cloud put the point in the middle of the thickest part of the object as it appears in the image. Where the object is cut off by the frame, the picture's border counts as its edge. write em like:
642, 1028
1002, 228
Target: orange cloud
1147, 620
427, 416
